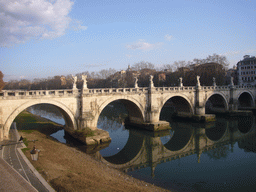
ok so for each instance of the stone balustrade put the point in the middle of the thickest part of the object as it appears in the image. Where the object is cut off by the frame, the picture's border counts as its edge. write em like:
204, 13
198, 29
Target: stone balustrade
116, 90
35, 93
76, 92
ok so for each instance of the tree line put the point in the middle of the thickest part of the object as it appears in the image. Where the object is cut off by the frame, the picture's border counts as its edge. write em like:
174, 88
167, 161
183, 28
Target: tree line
214, 66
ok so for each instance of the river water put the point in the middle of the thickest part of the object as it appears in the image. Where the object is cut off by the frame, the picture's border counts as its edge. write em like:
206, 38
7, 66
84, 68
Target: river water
190, 157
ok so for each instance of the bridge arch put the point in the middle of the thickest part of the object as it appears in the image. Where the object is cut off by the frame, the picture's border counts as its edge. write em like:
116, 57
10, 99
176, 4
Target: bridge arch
134, 108
180, 102
245, 99
68, 115
216, 102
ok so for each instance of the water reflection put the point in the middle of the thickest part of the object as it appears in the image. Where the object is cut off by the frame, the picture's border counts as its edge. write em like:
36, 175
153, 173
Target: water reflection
202, 153
47, 111
112, 119
183, 140
245, 124
52, 113
218, 156
216, 132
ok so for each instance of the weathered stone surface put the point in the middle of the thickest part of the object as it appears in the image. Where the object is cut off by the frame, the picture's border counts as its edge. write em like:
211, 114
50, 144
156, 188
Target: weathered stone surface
82, 108
204, 118
100, 137
196, 118
238, 113
156, 126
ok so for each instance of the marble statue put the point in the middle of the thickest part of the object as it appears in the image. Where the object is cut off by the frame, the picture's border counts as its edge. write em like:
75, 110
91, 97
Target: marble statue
84, 77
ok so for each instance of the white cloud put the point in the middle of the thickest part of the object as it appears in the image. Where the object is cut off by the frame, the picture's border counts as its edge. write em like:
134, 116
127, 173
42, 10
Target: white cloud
142, 45
23, 20
168, 37
77, 25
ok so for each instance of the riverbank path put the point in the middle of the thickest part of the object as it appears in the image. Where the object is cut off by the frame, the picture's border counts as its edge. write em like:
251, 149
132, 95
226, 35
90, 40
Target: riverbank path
16, 171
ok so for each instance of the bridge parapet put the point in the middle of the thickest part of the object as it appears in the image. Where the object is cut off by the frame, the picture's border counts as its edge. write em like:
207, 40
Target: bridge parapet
215, 88
244, 87
69, 92
116, 90
169, 89
35, 93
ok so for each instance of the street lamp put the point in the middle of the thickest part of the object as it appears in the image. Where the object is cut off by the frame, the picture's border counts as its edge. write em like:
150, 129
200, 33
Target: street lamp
34, 153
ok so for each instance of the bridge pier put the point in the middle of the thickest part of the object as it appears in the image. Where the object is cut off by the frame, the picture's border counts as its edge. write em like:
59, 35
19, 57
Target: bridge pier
233, 102
200, 107
152, 122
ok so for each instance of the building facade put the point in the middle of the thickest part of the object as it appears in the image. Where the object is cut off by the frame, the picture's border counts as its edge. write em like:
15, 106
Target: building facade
246, 70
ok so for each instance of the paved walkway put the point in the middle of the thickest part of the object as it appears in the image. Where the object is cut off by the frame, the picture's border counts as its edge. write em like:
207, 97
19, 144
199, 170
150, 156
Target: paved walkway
11, 180
16, 172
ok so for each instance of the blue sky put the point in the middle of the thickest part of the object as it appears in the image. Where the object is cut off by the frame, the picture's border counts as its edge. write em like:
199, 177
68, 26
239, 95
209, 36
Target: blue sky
44, 38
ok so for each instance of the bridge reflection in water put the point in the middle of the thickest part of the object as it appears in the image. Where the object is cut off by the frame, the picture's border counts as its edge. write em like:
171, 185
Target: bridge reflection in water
190, 157
182, 153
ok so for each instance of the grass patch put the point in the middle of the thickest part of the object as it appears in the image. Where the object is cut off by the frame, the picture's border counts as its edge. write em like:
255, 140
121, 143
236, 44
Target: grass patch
25, 141
86, 132
27, 131
25, 119
25, 149
28, 122
39, 169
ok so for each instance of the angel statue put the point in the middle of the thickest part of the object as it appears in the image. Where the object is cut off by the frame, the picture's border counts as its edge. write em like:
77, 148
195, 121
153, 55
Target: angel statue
84, 77
74, 81
198, 81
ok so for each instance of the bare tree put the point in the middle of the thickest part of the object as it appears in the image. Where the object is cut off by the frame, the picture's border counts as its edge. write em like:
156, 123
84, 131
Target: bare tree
105, 73
142, 65
1, 81
179, 64
221, 59
167, 67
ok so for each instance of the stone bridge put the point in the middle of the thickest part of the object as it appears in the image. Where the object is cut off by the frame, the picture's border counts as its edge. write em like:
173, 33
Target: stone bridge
147, 150
82, 107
